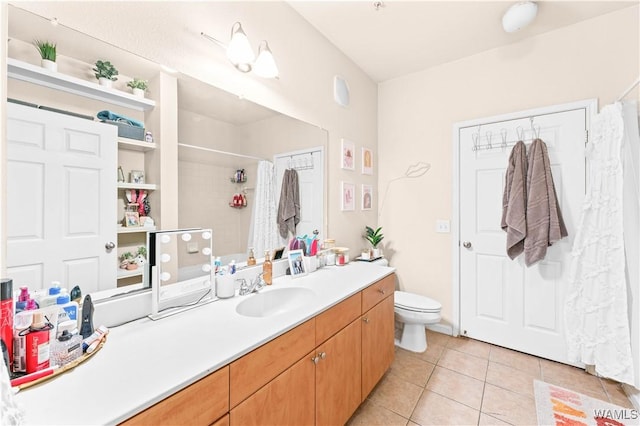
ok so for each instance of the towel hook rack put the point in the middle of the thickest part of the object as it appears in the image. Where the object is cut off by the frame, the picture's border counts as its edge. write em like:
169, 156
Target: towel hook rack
503, 134
489, 137
535, 129
520, 133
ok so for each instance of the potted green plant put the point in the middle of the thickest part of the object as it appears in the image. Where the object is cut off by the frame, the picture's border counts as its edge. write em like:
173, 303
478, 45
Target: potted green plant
105, 72
127, 261
47, 52
138, 86
374, 236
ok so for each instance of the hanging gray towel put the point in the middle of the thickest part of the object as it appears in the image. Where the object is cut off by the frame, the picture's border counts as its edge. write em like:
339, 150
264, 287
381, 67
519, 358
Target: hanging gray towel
514, 201
545, 225
289, 206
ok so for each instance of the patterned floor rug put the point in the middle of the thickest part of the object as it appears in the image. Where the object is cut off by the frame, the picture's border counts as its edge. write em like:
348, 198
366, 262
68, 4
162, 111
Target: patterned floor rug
560, 406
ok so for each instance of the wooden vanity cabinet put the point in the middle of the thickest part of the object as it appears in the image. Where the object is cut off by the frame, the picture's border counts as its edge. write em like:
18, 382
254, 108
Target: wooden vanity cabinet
378, 328
201, 403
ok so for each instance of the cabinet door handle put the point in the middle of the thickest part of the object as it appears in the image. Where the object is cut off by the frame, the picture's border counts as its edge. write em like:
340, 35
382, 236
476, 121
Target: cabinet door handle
315, 359
381, 290
323, 355
365, 319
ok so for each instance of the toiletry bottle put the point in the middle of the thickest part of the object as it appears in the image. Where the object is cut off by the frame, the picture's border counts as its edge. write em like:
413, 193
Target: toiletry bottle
66, 348
6, 315
37, 343
52, 295
68, 309
23, 298
267, 269
21, 323
251, 260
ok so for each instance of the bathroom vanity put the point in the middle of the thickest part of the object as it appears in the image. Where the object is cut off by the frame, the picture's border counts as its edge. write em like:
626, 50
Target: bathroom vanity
311, 362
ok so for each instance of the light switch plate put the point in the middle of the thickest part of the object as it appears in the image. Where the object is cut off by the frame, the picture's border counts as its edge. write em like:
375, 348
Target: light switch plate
442, 226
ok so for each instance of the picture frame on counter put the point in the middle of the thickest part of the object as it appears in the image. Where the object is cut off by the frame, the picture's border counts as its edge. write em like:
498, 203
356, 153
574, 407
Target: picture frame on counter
296, 263
131, 219
136, 176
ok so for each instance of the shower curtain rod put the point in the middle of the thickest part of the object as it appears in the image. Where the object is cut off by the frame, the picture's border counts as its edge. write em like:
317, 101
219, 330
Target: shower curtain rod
217, 151
626, 92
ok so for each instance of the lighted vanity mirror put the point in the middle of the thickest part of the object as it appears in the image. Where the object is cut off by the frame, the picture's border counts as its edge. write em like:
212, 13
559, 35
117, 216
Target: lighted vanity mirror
208, 117
179, 270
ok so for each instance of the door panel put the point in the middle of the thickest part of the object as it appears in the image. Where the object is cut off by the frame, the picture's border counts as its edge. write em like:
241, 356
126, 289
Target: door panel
61, 200
501, 300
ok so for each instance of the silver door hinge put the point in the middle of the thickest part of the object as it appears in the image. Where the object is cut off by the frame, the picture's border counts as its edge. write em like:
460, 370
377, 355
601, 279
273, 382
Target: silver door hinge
586, 136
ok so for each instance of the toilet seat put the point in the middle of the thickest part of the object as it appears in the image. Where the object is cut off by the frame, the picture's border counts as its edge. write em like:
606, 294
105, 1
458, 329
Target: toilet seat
416, 303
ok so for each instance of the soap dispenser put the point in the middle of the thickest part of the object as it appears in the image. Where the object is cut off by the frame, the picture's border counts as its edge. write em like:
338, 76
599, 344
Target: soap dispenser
267, 269
251, 260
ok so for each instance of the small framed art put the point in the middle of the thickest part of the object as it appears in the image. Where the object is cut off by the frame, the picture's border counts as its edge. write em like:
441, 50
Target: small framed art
131, 219
348, 192
367, 197
136, 176
296, 263
347, 155
367, 161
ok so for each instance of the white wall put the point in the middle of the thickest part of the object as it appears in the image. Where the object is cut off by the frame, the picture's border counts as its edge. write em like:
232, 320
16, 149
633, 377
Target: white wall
598, 58
169, 33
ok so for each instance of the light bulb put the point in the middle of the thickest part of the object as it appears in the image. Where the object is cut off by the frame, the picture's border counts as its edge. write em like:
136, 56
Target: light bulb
239, 50
265, 65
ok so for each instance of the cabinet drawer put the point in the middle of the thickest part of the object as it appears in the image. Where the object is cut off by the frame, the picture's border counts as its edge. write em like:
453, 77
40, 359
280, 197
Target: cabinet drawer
377, 291
199, 404
337, 317
257, 368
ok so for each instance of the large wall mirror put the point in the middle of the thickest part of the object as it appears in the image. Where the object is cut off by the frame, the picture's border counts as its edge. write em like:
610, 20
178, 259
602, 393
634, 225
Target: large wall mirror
219, 134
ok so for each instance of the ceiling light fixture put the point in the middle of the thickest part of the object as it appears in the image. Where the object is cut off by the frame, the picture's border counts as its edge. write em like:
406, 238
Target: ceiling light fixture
240, 53
519, 16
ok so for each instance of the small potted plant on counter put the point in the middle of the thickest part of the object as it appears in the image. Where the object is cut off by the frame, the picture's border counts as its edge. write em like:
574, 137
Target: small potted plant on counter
106, 73
127, 261
138, 86
47, 52
374, 237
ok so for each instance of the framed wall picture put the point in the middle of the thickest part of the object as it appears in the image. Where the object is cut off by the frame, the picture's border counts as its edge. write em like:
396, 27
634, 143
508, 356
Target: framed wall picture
131, 219
367, 161
296, 263
348, 191
367, 197
347, 155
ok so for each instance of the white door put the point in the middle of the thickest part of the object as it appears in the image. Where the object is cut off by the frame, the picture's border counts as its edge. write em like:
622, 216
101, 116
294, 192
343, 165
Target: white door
501, 300
61, 200
310, 165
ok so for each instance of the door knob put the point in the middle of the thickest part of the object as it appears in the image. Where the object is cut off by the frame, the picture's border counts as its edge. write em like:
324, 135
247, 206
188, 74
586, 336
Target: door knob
466, 244
366, 320
110, 245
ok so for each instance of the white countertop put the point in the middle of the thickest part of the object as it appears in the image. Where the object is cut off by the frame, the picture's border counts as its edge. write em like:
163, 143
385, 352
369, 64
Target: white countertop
145, 361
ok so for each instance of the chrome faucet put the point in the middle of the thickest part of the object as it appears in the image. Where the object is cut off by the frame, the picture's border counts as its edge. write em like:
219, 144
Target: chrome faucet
254, 286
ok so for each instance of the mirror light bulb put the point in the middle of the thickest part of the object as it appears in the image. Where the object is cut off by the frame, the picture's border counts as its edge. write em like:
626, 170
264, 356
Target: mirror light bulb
186, 237
206, 235
165, 276
165, 257
206, 267
165, 239
206, 251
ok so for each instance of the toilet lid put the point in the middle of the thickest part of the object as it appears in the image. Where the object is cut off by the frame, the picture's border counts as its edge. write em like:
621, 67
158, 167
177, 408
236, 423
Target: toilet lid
415, 302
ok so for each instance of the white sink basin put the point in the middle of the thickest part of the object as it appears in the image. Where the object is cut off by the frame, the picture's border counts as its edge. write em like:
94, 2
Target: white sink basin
274, 302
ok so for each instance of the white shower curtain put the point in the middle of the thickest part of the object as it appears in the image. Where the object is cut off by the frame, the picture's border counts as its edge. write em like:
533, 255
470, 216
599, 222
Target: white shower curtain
263, 232
596, 316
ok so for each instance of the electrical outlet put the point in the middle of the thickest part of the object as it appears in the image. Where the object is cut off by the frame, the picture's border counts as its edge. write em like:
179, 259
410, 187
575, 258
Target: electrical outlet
442, 226
192, 248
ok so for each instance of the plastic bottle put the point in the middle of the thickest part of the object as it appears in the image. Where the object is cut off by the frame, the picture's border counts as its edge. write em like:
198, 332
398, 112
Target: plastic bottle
52, 297
6, 315
23, 298
251, 260
267, 269
68, 309
37, 343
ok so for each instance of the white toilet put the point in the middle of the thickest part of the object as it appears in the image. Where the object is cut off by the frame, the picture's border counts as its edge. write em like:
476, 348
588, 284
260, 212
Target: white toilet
415, 311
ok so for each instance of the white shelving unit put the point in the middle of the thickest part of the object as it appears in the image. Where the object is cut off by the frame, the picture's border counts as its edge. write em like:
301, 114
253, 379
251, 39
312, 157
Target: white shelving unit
24, 71
135, 145
125, 273
147, 186
134, 229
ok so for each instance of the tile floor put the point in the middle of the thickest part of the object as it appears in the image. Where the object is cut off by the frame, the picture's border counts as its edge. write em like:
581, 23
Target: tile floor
460, 381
